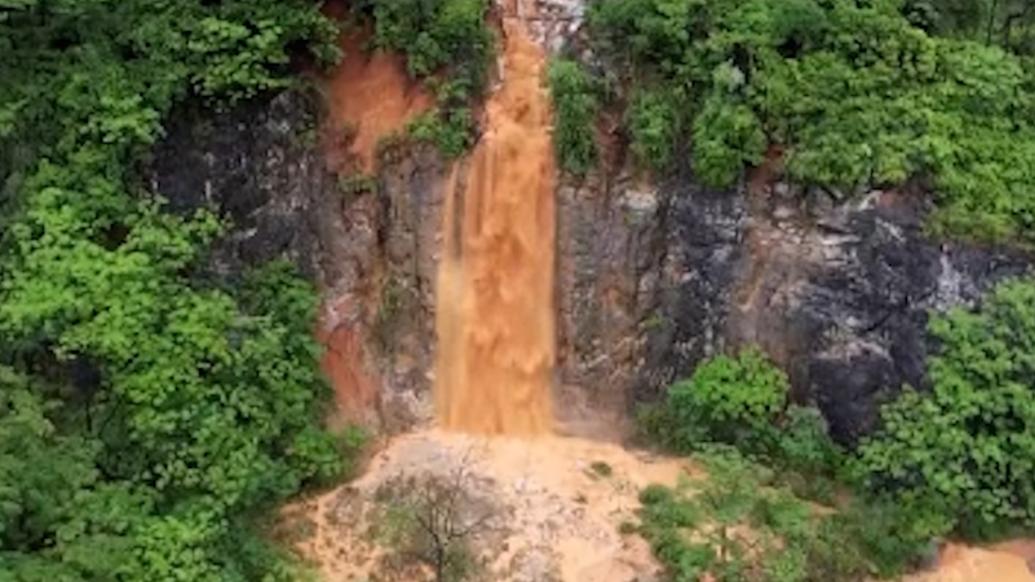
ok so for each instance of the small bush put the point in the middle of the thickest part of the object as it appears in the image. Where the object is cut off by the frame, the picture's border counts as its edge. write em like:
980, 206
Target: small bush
575, 109
354, 185
732, 400
451, 131
727, 136
654, 121
804, 443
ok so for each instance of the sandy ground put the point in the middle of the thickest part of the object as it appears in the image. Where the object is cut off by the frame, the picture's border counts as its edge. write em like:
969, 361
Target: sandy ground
557, 517
1007, 562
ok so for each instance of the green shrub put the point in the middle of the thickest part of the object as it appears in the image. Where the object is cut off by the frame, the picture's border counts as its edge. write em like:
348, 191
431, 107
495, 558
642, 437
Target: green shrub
726, 137
969, 444
742, 401
727, 400
654, 121
601, 468
434, 34
575, 109
804, 443
451, 131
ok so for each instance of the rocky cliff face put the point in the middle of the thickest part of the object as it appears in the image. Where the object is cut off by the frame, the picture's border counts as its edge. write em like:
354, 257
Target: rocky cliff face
370, 248
655, 279
837, 293
651, 279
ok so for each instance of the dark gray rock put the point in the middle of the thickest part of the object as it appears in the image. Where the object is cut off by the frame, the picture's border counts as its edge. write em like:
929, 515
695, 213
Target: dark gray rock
703, 256
371, 252
838, 295
609, 255
256, 165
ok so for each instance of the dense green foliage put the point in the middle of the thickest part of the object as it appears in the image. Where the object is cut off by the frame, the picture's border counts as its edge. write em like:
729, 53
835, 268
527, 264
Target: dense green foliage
446, 42
146, 411
743, 401
738, 524
969, 443
855, 93
728, 399
654, 119
575, 105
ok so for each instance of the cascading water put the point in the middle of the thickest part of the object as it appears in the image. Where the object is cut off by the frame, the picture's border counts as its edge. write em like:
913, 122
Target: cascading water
495, 308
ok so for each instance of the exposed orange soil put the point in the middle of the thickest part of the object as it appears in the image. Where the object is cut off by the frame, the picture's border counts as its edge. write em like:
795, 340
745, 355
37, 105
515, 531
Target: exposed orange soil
495, 309
355, 387
369, 96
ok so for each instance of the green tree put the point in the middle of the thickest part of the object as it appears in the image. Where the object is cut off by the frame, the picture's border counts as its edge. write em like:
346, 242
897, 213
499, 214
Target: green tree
202, 403
967, 447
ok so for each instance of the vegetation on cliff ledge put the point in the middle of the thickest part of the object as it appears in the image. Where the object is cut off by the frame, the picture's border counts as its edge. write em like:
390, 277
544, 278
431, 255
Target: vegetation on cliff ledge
858, 93
447, 43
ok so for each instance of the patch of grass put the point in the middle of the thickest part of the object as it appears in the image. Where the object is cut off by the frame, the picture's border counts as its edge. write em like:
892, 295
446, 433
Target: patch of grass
738, 523
601, 468
354, 185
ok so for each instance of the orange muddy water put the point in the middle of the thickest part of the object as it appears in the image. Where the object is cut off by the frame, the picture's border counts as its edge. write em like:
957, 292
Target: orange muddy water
495, 308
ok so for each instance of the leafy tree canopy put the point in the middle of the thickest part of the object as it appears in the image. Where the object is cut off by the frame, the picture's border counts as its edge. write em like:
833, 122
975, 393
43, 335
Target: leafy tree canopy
145, 412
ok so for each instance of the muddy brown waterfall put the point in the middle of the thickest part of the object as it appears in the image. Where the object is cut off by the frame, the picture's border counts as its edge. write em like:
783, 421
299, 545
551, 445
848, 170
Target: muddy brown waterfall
495, 309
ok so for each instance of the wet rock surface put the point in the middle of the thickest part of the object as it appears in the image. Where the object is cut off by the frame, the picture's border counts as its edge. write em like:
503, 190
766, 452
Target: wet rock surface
651, 279
838, 294
371, 250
